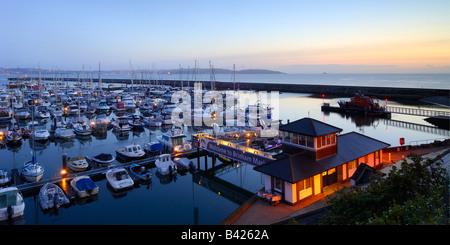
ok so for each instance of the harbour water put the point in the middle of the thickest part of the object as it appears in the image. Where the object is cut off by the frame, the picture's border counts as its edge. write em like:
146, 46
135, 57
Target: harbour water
186, 199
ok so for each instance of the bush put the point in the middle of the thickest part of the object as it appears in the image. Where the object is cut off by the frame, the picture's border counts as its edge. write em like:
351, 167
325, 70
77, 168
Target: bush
417, 193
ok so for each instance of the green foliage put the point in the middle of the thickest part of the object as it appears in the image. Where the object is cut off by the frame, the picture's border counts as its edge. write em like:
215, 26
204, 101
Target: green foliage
413, 194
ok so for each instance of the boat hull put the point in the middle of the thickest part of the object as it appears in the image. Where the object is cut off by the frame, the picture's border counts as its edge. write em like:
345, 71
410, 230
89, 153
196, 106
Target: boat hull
32, 173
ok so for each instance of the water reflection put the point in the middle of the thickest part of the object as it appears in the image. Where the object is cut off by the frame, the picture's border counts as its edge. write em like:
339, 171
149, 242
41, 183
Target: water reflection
203, 197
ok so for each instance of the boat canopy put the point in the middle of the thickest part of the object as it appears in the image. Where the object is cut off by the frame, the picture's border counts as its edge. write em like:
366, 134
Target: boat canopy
85, 184
156, 147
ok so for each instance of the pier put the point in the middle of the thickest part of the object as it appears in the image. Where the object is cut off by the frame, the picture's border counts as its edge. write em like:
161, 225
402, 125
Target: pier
416, 111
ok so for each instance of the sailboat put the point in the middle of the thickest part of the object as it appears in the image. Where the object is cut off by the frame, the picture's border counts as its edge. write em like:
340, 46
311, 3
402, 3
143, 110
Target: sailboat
31, 170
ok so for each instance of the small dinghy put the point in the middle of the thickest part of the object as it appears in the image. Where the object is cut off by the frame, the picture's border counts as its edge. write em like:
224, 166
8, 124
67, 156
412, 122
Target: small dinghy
140, 172
103, 159
84, 186
51, 196
119, 179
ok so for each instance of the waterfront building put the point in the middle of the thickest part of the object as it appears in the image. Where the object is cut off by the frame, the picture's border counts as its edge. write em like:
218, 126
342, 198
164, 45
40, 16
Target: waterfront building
316, 155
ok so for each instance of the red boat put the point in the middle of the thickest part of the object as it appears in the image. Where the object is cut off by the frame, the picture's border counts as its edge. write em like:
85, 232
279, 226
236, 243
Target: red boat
362, 104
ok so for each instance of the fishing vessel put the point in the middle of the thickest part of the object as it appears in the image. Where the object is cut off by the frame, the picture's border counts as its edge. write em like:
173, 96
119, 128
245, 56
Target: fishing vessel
130, 152
362, 104
165, 165
173, 140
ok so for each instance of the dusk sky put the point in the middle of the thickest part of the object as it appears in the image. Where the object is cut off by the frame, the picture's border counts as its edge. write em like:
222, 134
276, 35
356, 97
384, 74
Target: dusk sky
298, 36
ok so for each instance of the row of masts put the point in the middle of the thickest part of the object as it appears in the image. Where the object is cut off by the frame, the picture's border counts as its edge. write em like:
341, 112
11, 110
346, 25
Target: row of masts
145, 75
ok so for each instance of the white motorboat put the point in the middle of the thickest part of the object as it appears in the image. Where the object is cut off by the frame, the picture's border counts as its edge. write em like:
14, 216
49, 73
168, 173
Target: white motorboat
129, 103
103, 159
173, 140
82, 130
133, 151
102, 106
184, 163
78, 163
165, 165
57, 112
84, 186
42, 112
40, 133
73, 109
121, 124
32, 171
4, 177
64, 133
51, 196
22, 113
11, 203
151, 121
119, 178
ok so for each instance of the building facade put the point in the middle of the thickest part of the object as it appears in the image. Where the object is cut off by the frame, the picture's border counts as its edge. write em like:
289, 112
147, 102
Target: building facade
316, 155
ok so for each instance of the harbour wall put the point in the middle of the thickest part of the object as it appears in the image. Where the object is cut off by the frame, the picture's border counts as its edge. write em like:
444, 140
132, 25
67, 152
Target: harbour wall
319, 90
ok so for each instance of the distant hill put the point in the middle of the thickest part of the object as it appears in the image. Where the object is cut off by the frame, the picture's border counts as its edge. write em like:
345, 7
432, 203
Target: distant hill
258, 71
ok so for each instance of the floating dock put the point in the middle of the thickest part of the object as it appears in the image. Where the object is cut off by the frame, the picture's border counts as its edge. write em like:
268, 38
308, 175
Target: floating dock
95, 171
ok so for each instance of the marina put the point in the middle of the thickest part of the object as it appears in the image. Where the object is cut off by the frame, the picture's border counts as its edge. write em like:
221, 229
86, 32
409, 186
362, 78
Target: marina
212, 168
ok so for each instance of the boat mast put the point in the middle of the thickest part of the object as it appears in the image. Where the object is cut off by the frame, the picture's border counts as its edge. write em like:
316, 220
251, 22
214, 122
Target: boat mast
99, 77
131, 73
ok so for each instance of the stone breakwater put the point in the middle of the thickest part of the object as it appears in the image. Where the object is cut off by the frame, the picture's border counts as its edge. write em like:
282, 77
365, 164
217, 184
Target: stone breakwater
319, 90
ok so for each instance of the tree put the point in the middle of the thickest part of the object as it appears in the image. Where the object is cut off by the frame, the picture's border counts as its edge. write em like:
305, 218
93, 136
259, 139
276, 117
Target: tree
416, 193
